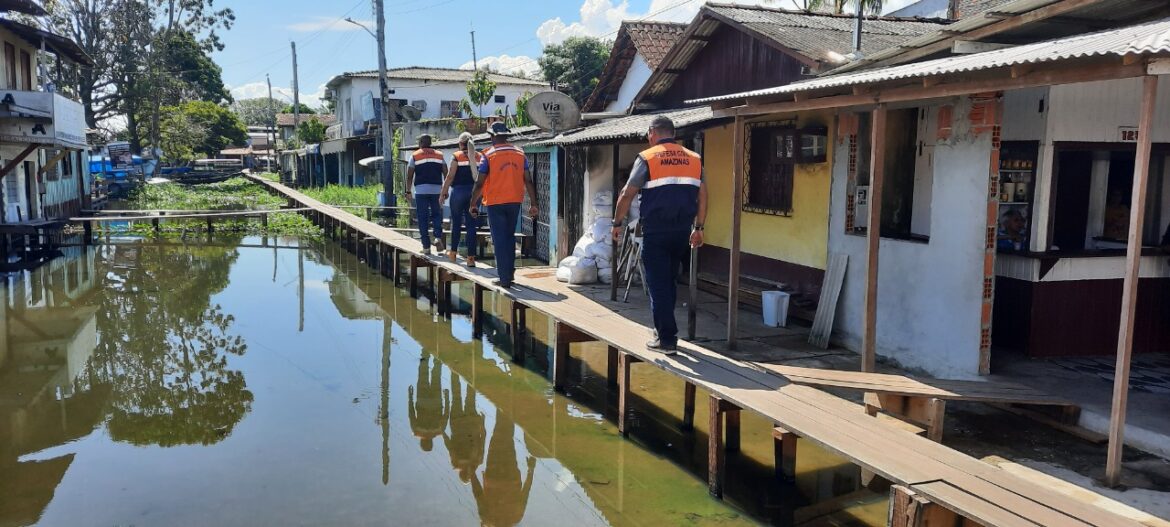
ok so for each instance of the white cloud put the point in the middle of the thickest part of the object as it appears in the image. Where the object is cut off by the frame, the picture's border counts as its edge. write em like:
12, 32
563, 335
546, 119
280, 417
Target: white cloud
507, 64
325, 23
254, 90
600, 18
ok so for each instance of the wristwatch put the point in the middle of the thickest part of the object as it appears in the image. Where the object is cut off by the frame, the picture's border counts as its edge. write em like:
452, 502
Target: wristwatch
619, 223
698, 227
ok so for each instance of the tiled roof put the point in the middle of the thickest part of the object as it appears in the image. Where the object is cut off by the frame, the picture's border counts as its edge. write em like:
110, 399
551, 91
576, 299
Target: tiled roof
444, 75
1143, 39
815, 34
653, 39
286, 119
630, 128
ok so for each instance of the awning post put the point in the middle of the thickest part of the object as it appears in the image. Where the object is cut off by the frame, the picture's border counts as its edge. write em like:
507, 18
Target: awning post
873, 228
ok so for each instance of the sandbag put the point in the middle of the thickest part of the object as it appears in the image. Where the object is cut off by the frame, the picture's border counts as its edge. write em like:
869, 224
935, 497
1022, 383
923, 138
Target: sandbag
604, 274
601, 231
598, 251
584, 272
564, 274
581, 250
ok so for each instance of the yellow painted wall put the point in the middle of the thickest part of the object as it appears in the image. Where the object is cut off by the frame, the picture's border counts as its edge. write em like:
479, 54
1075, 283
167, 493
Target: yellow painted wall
801, 238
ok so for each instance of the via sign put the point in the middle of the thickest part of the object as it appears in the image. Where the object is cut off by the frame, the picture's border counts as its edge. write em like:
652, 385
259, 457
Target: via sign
1128, 134
552, 110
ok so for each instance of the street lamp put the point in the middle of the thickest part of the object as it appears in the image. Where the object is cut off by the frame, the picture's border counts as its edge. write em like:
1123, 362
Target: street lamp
384, 94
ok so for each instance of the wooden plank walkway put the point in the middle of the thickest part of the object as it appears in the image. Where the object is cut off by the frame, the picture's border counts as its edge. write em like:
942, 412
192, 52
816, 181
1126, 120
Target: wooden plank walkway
930, 480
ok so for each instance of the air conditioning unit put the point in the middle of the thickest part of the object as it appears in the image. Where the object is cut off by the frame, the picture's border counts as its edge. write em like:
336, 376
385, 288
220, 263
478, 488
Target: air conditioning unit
420, 104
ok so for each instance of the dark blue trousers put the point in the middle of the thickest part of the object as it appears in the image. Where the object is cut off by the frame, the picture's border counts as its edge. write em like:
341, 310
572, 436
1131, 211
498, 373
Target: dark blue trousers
502, 221
429, 214
461, 219
662, 255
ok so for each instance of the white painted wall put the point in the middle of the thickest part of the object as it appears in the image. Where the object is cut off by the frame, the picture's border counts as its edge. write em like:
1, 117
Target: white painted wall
929, 294
434, 93
1093, 111
636, 77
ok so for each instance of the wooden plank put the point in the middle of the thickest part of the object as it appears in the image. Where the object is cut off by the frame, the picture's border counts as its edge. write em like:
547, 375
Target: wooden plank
961, 502
1137, 215
909, 509
877, 169
1071, 429
822, 327
737, 178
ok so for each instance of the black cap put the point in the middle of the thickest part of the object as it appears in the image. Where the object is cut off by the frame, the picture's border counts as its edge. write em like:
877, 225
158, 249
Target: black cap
499, 129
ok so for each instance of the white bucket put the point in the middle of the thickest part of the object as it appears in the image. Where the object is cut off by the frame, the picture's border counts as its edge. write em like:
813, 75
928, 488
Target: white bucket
775, 308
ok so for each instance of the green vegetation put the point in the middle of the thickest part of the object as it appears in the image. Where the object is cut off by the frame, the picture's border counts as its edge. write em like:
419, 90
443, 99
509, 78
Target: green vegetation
574, 65
480, 90
311, 131
342, 195
233, 194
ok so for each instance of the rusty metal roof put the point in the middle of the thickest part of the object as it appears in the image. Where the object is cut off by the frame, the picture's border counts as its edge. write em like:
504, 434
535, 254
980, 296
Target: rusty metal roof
1142, 39
633, 127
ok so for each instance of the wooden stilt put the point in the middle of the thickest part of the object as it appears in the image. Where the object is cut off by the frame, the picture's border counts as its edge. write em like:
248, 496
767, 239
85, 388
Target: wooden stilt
909, 509
518, 323
784, 443
412, 276
731, 429
447, 279
623, 366
688, 420
1133, 255
611, 370
477, 311
565, 335
929, 412
715, 454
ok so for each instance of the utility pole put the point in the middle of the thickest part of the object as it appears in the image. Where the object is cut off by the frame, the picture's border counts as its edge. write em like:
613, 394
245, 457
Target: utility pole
474, 59
387, 133
296, 91
271, 123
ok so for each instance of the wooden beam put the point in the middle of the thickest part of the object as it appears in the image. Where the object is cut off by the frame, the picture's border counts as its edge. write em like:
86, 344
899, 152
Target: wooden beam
612, 367
784, 444
1070, 73
910, 509
1133, 255
1021, 70
624, 362
877, 160
966, 47
737, 169
476, 310
688, 420
932, 81
17, 160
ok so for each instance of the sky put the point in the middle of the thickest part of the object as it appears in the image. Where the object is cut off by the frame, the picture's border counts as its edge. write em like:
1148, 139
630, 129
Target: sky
509, 35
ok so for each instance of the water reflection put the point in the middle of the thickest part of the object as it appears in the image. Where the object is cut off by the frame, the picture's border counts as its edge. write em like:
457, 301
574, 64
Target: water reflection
466, 436
234, 385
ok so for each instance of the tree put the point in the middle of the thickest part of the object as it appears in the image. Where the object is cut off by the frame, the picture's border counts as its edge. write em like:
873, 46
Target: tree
256, 112
574, 65
521, 118
198, 128
311, 131
480, 90
288, 108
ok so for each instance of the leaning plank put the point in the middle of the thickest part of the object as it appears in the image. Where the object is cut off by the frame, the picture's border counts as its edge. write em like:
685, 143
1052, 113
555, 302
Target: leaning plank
827, 305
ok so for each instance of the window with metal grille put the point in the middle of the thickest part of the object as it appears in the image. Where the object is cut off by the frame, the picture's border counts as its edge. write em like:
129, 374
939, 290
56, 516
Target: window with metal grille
771, 157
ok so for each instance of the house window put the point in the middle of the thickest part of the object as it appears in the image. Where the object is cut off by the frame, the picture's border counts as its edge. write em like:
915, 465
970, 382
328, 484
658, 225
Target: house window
25, 71
771, 161
10, 66
67, 166
500, 99
449, 109
908, 175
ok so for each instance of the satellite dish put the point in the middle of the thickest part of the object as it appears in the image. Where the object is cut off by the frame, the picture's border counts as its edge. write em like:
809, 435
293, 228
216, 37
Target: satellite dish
553, 110
410, 113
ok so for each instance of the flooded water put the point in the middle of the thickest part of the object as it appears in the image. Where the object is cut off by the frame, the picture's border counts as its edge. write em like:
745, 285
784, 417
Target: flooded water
254, 382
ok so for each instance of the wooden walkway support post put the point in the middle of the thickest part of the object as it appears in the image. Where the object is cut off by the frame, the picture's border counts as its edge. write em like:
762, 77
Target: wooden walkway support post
517, 329
565, 335
736, 217
688, 420
722, 436
625, 360
611, 368
412, 276
1133, 256
477, 311
873, 228
909, 509
784, 444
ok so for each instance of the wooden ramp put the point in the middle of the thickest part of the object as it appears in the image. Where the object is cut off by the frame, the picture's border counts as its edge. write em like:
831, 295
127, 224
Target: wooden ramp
930, 480
924, 401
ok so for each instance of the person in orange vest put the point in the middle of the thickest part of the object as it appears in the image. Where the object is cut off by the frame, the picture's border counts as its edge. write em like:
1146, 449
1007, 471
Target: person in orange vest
503, 178
458, 185
424, 179
674, 206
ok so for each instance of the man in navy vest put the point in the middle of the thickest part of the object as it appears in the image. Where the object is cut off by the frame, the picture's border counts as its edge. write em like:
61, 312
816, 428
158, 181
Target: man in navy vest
424, 178
674, 206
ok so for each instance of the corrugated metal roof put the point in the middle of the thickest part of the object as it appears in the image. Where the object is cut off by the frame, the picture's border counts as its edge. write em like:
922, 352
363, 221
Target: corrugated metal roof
286, 119
1149, 38
815, 34
632, 127
444, 75
520, 134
